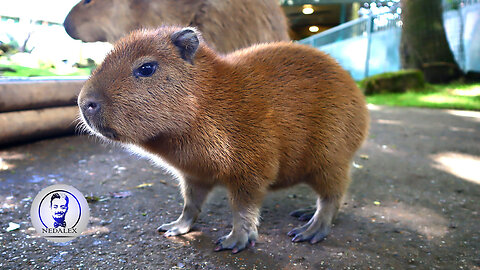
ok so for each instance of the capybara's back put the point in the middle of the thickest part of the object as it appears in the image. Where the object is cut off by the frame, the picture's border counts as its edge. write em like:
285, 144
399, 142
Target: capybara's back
226, 24
320, 115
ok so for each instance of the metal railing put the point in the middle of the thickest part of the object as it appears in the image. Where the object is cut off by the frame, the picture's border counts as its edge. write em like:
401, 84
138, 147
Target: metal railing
341, 32
370, 45
365, 46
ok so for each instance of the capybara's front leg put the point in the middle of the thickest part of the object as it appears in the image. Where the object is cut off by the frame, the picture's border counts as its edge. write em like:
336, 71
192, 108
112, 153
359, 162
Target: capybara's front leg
194, 195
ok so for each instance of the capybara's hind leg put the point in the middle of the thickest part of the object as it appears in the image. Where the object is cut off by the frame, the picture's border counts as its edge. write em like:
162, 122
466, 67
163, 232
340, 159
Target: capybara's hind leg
245, 204
319, 225
304, 214
330, 187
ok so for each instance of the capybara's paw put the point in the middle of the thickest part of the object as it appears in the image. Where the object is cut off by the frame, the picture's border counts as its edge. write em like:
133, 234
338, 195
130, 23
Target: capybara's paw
236, 241
303, 214
299, 235
175, 228
314, 231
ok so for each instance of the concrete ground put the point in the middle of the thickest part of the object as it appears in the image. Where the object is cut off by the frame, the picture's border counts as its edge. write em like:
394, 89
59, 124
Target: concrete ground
413, 203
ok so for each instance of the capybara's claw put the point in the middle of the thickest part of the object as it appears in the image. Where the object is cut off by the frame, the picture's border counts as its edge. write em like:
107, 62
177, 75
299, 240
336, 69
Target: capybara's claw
175, 228
235, 243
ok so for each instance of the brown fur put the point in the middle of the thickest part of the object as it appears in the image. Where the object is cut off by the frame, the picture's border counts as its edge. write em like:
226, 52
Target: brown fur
226, 24
266, 117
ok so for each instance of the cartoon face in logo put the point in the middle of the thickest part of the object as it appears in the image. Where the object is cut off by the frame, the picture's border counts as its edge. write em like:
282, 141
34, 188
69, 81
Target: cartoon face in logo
59, 208
60, 213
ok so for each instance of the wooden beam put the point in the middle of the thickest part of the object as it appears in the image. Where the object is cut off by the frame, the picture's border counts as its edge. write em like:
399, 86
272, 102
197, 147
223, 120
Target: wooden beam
25, 126
16, 95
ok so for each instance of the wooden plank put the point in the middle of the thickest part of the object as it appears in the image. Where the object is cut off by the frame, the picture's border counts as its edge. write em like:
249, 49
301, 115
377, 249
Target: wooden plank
23, 126
16, 95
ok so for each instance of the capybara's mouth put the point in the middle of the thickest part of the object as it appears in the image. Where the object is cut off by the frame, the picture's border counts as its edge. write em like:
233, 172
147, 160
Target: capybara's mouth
106, 132
109, 133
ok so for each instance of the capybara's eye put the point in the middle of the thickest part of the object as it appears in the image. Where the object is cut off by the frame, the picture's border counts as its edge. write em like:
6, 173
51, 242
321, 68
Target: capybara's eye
146, 70
86, 2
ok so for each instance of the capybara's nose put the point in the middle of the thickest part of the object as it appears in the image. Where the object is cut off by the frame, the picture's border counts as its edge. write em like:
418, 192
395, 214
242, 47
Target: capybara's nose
69, 28
91, 107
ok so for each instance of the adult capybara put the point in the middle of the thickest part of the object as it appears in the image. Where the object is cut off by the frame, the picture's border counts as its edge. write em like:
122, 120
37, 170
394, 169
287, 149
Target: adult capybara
265, 117
225, 24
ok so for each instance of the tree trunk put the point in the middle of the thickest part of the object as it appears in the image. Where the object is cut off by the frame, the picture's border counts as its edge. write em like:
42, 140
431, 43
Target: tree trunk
424, 43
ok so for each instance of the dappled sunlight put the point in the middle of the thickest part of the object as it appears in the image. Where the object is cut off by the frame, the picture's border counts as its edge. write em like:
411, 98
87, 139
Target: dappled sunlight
471, 114
423, 220
8, 203
464, 166
5, 165
437, 99
472, 91
198, 239
458, 129
96, 230
389, 122
31, 233
6, 158
467, 93
185, 239
6, 155
373, 107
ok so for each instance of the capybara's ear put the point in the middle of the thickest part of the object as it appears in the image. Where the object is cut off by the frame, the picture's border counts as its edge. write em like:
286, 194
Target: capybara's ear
187, 41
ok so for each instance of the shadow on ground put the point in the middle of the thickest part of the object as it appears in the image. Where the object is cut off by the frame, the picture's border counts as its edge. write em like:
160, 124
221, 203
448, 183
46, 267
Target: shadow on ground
413, 204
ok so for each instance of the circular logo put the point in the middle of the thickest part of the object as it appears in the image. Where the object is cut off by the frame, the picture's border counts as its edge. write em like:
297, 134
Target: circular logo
59, 213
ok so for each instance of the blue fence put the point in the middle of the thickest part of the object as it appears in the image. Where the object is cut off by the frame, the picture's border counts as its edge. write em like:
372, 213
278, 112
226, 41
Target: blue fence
370, 45
462, 26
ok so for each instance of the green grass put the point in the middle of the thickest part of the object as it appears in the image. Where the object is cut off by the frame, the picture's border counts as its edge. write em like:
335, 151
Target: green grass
448, 96
21, 71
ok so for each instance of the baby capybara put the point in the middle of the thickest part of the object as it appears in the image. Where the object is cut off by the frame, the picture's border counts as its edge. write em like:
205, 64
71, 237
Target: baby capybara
269, 116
